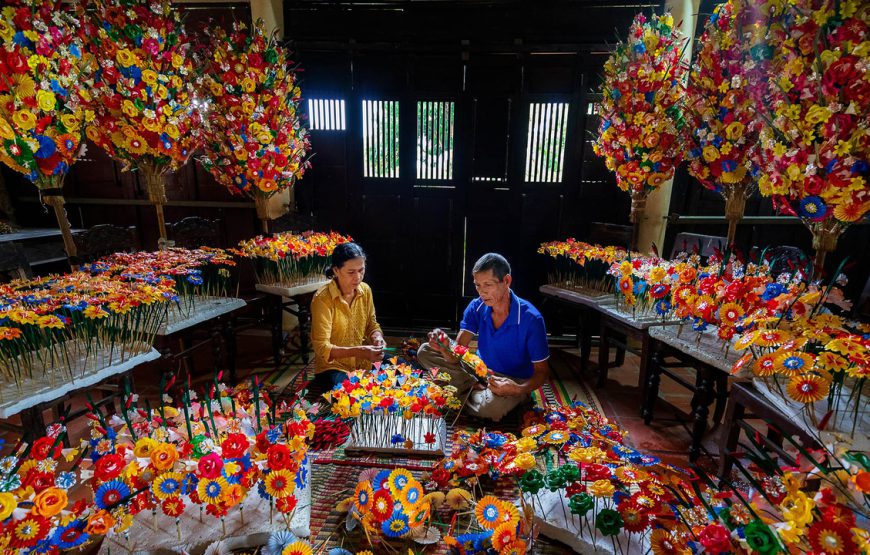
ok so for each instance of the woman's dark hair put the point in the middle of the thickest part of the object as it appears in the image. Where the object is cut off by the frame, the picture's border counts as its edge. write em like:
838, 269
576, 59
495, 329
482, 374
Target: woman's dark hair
343, 253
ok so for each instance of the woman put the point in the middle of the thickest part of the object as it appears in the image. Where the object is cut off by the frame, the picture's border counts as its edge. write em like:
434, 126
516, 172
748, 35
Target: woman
344, 331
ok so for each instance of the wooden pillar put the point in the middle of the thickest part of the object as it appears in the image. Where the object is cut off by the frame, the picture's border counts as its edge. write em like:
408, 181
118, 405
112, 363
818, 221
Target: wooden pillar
272, 14
654, 221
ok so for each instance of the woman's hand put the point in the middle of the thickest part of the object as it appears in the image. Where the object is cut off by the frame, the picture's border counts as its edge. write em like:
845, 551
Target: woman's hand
378, 341
371, 353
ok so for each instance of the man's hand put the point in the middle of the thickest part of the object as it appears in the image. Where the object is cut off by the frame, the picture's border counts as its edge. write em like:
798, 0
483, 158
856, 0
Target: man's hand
436, 345
372, 353
504, 387
379, 341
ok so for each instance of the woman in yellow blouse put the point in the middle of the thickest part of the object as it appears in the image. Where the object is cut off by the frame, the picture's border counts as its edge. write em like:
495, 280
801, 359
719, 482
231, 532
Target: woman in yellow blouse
344, 330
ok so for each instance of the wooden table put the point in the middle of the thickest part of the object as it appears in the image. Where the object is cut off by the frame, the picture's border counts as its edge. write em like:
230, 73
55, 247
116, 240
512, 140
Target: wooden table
746, 403
299, 305
41, 245
617, 328
712, 363
218, 312
588, 306
33, 396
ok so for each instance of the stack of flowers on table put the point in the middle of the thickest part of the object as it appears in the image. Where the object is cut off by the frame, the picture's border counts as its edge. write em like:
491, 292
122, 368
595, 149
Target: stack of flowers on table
291, 259
255, 144
580, 266
36, 509
212, 454
395, 407
644, 286
813, 363
815, 151
56, 328
195, 275
641, 131
727, 296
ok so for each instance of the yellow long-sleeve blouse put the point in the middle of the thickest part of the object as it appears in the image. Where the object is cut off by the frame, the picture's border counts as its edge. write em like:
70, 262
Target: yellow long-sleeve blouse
334, 323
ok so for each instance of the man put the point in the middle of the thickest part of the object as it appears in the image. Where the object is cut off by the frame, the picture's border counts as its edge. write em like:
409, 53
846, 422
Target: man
512, 341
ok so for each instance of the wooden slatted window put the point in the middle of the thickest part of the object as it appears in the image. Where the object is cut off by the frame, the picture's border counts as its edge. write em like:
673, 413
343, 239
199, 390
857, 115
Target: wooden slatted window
435, 140
545, 146
380, 127
326, 114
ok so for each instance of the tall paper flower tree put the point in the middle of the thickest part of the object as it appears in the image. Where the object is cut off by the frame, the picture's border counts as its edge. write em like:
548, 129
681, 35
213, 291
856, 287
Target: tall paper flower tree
144, 90
255, 144
640, 136
728, 76
816, 147
44, 80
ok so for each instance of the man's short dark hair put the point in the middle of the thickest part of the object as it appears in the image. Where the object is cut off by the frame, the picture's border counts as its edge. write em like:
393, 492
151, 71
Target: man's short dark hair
492, 261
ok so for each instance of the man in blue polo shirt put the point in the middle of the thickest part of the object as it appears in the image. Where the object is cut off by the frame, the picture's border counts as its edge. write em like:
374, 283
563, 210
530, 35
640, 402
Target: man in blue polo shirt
512, 341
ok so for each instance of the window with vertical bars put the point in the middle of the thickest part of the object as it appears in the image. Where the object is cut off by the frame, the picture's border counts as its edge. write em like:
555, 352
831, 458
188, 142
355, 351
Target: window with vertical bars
545, 147
380, 127
435, 140
326, 114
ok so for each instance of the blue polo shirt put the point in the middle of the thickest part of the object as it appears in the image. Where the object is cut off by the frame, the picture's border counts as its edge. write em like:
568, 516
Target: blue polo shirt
511, 349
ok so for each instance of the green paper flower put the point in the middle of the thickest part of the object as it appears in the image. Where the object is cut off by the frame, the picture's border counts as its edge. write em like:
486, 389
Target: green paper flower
571, 472
197, 452
581, 503
761, 538
554, 481
608, 522
532, 482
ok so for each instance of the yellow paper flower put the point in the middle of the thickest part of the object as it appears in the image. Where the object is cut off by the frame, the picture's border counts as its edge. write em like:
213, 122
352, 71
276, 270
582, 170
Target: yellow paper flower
46, 100
798, 508
24, 120
458, 499
602, 488
8, 503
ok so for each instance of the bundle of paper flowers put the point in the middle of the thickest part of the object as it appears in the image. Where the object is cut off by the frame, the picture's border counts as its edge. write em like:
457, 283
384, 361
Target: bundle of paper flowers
728, 76
392, 506
43, 96
810, 357
815, 149
478, 454
395, 407
495, 528
641, 131
143, 94
212, 454
580, 477
581, 266
36, 509
255, 144
290, 259
644, 286
193, 274
56, 328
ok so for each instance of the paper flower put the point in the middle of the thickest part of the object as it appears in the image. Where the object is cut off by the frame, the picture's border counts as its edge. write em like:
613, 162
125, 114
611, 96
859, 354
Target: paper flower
815, 154
641, 131
144, 89
255, 144
45, 91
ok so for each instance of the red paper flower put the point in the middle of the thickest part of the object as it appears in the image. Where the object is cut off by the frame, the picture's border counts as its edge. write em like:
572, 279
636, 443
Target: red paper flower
44, 448
279, 457
286, 504
108, 467
234, 446
210, 466
715, 538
